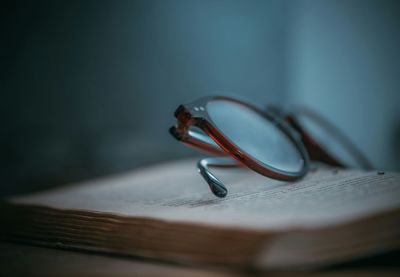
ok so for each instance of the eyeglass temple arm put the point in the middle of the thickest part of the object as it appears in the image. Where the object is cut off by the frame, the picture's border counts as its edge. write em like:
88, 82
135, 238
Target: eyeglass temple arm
216, 186
195, 139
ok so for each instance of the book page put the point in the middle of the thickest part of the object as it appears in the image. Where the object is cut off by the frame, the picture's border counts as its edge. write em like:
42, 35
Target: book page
175, 191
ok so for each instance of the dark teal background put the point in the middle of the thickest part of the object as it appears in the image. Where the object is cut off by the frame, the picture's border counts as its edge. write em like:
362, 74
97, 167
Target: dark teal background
89, 87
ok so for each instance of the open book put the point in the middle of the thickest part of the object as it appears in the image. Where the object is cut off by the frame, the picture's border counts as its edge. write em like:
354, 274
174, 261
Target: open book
167, 212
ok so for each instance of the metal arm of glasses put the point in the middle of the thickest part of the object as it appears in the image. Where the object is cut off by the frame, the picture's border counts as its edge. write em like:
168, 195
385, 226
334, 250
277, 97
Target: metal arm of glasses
205, 143
216, 186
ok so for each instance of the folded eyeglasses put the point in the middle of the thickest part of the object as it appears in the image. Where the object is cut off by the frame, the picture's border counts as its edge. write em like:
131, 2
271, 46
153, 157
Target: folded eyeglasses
270, 142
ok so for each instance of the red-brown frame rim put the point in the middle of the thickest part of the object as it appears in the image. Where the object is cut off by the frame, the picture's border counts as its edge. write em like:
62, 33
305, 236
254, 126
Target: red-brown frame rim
195, 114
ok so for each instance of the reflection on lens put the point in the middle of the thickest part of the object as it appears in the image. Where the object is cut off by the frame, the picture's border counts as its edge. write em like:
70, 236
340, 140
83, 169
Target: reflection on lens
255, 135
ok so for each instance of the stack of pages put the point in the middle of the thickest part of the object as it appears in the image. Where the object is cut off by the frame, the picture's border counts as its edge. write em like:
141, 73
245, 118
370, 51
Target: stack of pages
167, 212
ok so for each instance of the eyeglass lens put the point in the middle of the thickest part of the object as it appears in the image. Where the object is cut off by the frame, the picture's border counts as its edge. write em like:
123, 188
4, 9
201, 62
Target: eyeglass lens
254, 134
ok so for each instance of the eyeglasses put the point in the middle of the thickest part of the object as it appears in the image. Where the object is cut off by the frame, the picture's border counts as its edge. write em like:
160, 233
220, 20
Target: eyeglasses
270, 142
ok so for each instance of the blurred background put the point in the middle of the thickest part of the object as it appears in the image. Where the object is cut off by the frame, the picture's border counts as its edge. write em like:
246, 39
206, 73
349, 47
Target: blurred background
88, 88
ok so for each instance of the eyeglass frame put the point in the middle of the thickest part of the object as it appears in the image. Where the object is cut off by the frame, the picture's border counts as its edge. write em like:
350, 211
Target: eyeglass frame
195, 114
